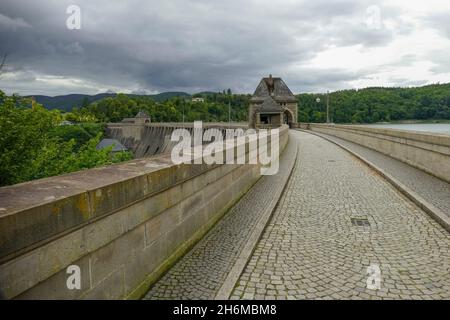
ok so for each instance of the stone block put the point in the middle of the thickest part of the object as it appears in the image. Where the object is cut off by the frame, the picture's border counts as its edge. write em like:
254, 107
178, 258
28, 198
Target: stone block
103, 231
117, 195
20, 274
55, 287
29, 226
162, 223
116, 254
192, 204
111, 287
60, 253
174, 195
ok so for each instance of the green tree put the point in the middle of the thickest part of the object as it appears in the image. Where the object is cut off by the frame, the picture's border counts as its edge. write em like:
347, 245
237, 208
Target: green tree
35, 146
379, 104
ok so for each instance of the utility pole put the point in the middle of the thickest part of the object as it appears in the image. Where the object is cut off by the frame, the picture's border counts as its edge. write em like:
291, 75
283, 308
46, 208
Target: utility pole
229, 111
184, 103
328, 107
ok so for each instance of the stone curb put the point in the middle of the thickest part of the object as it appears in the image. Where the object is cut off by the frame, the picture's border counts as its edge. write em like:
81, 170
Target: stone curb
430, 209
228, 285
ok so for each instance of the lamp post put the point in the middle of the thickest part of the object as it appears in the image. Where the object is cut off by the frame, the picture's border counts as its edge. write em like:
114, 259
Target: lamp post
229, 111
184, 103
328, 107
229, 114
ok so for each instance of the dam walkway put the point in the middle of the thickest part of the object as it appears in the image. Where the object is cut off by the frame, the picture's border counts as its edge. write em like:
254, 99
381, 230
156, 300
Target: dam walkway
338, 229
430, 188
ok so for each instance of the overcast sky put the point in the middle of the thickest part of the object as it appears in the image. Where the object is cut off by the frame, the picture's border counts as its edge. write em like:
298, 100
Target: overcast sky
178, 45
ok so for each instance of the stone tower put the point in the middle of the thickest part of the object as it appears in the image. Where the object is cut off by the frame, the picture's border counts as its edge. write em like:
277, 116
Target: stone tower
272, 104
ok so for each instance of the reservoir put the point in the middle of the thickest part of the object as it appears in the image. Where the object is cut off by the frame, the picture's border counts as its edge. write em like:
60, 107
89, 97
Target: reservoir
441, 128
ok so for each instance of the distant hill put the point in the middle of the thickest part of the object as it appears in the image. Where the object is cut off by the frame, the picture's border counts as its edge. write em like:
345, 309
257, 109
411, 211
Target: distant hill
167, 95
207, 93
378, 104
69, 101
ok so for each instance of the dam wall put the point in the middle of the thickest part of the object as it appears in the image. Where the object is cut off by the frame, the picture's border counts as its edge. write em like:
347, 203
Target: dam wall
429, 152
154, 138
118, 228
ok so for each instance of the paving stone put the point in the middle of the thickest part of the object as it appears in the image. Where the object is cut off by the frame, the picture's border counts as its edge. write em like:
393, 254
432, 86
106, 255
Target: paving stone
430, 188
326, 256
311, 250
205, 267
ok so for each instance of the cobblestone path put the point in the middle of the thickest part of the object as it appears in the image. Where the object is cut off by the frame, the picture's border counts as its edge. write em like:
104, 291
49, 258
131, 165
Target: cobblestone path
432, 189
202, 271
312, 250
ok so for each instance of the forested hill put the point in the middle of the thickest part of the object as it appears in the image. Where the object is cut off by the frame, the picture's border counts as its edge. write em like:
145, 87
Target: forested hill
69, 101
378, 104
347, 106
213, 108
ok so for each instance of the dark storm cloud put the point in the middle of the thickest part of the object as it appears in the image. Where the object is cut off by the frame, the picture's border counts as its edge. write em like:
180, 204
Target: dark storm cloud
313, 80
177, 45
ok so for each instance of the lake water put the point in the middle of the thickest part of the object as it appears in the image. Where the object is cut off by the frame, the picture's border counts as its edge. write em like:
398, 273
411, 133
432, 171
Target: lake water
442, 128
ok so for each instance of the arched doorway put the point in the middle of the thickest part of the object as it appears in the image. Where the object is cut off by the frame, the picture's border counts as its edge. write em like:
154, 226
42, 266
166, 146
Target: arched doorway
288, 117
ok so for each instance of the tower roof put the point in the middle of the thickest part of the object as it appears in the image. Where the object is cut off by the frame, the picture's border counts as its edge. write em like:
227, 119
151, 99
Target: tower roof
141, 114
269, 105
274, 87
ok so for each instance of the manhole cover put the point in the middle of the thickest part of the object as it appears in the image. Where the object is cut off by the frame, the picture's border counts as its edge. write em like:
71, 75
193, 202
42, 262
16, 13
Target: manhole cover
360, 222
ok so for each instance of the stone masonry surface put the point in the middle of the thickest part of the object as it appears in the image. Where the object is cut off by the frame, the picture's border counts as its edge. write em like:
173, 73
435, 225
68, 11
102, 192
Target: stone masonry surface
311, 250
432, 189
201, 272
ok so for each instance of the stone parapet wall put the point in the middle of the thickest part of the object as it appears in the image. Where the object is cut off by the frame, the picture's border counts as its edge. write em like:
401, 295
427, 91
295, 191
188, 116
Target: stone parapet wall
429, 152
123, 225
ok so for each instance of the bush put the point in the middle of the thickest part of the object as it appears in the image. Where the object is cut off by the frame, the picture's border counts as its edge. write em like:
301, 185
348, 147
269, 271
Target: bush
35, 146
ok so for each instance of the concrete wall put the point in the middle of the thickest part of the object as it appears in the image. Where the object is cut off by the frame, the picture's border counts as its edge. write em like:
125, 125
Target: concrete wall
428, 152
123, 225
153, 138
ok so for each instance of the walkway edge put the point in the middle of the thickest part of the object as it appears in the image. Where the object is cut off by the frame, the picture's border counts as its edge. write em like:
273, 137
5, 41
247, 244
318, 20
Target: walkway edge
233, 276
430, 209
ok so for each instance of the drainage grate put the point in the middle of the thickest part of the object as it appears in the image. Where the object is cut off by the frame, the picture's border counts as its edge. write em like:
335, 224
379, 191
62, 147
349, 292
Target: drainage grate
360, 222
